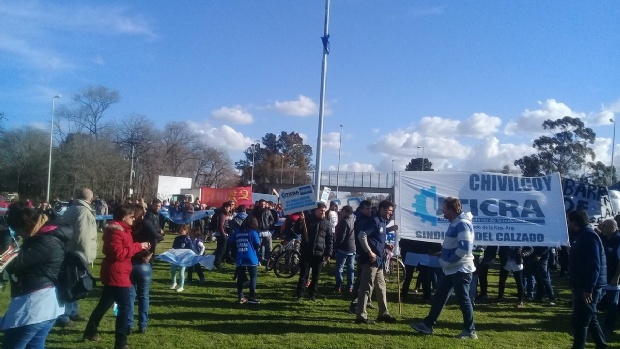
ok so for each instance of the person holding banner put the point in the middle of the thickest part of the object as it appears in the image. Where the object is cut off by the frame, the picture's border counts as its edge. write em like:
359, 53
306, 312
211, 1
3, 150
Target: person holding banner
316, 247
587, 268
457, 262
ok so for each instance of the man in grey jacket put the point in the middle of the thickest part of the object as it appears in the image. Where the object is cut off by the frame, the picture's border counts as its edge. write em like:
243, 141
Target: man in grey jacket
80, 216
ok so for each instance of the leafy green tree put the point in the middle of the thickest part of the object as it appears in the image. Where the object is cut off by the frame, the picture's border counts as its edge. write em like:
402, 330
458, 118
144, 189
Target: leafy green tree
564, 150
283, 158
601, 174
416, 164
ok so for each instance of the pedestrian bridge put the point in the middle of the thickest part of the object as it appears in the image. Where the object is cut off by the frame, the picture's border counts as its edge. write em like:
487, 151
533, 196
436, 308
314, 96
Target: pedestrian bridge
366, 182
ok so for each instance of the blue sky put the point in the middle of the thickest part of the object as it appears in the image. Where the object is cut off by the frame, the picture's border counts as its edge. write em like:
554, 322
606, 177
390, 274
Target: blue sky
470, 81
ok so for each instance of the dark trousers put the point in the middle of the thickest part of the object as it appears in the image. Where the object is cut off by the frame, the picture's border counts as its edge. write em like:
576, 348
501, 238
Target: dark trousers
306, 263
242, 277
483, 279
198, 269
503, 275
543, 281
409, 270
111, 294
585, 319
220, 250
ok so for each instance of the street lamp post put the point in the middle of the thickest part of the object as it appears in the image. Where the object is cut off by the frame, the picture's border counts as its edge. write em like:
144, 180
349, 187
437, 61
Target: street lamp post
281, 166
613, 148
419, 146
253, 152
338, 172
49, 165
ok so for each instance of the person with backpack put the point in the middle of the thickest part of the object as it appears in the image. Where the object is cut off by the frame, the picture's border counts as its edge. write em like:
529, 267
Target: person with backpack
34, 303
81, 217
118, 248
183, 241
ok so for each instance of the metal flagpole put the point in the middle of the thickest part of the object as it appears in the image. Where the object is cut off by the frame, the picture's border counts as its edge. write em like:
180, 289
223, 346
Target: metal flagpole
319, 145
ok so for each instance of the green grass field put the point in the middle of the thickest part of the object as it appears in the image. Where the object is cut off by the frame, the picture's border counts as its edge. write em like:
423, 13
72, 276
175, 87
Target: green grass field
208, 316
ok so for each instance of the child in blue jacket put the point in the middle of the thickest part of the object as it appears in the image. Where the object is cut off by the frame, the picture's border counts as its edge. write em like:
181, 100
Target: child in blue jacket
247, 241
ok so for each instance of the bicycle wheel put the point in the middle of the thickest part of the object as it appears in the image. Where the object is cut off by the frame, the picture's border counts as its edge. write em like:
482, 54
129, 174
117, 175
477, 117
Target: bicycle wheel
287, 264
272, 259
390, 272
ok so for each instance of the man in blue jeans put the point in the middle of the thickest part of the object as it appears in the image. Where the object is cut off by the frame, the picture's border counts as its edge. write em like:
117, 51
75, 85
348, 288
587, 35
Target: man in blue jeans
457, 262
587, 270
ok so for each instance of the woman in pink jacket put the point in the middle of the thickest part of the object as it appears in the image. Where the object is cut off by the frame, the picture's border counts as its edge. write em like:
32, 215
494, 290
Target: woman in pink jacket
118, 248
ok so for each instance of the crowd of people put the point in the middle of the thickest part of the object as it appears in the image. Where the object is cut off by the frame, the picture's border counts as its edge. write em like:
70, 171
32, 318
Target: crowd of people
356, 239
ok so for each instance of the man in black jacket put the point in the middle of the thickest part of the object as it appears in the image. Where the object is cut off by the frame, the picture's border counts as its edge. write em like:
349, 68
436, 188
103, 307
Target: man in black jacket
316, 248
265, 219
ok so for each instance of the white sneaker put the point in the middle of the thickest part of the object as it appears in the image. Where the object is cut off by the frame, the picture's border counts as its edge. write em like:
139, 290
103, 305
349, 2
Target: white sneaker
467, 335
173, 286
180, 289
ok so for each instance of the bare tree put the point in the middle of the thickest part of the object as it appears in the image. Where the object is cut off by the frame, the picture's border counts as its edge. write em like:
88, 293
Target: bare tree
92, 104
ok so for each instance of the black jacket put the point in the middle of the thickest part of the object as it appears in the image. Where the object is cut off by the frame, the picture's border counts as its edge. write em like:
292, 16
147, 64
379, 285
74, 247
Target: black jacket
345, 235
320, 240
39, 259
146, 231
516, 253
265, 219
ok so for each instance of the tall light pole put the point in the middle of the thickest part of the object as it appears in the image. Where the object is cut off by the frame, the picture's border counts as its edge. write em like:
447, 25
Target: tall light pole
281, 166
338, 172
49, 164
419, 146
319, 141
131, 168
613, 147
392, 166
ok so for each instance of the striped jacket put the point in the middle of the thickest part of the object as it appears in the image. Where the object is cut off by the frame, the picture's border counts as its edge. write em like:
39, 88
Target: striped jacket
456, 250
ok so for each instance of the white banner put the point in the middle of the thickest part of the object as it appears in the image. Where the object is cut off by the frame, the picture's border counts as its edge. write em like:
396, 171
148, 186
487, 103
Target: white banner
507, 210
298, 199
593, 199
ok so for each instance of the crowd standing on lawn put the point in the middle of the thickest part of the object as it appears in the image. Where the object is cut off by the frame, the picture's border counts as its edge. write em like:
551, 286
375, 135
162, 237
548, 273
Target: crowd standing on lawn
356, 239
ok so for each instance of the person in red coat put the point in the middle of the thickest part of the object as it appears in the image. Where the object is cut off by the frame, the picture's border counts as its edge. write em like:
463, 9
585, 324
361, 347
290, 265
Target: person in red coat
118, 248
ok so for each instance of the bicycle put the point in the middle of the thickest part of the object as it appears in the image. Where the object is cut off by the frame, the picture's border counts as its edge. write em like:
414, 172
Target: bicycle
287, 261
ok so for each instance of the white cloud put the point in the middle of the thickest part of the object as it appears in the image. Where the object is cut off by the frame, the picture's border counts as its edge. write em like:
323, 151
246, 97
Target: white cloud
492, 154
357, 167
437, 126
236, 115
480, 125
331, 140
224, 137
304, 137
602, 150
35, 55
531, 121
607, 112
405, 144
303, 106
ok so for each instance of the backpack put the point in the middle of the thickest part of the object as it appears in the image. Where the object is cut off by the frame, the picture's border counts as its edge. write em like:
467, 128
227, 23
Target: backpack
74, 281
213, 222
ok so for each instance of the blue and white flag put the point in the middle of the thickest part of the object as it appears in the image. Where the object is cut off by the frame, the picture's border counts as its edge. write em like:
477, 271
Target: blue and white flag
186, 258
184, 217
